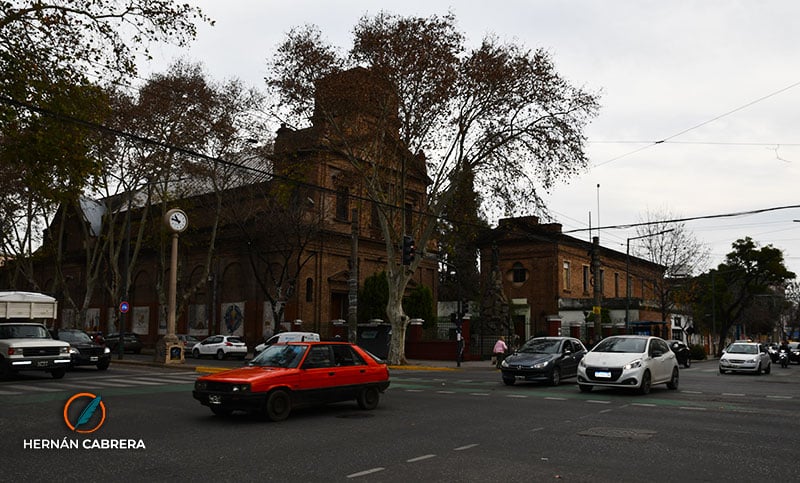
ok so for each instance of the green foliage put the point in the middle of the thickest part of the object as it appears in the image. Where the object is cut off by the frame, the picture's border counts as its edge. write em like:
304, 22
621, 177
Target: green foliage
697, 352
373, 297
420, 305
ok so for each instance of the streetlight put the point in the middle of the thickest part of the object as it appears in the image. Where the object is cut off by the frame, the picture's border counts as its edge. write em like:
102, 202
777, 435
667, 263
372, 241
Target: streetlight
628, 274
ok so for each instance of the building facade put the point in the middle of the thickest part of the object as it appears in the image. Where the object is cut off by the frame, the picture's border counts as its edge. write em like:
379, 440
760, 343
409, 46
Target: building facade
546, 280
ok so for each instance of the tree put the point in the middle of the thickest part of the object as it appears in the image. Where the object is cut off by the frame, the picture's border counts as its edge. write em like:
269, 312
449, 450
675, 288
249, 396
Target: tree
499, 111
672, 246
730, 291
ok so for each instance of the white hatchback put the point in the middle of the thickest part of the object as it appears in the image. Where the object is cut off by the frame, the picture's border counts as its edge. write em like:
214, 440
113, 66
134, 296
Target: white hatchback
220, 346
745, 357
629, 361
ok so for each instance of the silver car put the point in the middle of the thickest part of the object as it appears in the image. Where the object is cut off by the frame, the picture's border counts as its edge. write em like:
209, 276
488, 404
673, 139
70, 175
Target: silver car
745, 357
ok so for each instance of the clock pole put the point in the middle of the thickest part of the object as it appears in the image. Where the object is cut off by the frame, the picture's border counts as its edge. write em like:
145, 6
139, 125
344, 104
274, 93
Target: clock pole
169, 349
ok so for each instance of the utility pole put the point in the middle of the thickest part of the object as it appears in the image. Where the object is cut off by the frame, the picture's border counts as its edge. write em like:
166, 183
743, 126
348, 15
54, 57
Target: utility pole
598, 289
352, 306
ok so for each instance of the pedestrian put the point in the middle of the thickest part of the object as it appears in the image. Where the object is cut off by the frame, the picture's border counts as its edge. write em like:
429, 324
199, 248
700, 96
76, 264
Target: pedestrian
459, 347
499, 351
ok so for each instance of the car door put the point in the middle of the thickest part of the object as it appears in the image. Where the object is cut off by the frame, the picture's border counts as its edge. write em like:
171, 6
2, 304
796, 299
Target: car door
569, 359
318, 380
659, 354
209, 345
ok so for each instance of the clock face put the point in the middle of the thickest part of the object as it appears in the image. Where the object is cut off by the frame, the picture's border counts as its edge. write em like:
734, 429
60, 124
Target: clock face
177, 220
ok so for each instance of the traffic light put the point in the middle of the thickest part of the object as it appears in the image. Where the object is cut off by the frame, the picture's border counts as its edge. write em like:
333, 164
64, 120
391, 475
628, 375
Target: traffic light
409, 250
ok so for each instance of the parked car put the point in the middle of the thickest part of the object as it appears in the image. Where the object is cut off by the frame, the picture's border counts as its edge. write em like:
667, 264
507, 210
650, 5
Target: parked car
629, 361
84, 351
682, 352
745, 357
220, 346
286, 337
130, 343
296, 374
548, 359
188, 341
28, 346
794, 352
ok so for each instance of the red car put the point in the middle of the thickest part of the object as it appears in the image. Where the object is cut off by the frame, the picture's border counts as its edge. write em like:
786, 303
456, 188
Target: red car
295, 374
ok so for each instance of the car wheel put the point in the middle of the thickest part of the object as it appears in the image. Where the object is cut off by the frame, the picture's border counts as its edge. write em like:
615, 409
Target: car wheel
585, 387
555, 378
644, 388
673, 382
278, 406
220, 355
103, 365
196, 354
58, 373
758, 369
221, 411
688, 363
721, 371
509, 381
368, 397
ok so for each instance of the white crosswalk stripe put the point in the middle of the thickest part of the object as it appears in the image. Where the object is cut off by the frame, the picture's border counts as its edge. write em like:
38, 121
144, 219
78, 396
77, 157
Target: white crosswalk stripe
25, 387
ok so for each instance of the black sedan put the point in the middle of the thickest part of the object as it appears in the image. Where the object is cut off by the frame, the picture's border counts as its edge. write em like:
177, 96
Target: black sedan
83, 350
545, 359
682, 352
130, 343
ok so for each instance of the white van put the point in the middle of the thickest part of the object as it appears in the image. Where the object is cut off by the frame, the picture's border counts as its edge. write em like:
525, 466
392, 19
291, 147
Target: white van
286, 337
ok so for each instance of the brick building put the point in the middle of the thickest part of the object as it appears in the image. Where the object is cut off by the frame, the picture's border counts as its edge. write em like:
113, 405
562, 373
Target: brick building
312, 166
546, 280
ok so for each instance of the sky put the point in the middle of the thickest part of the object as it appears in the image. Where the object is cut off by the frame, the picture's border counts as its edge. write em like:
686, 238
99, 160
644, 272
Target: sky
699, 100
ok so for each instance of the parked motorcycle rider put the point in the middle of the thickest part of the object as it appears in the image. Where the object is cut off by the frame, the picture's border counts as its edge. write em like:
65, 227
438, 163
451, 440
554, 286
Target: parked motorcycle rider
783, 353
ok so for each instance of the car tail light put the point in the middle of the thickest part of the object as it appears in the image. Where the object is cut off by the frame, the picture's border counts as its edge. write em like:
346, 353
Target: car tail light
11, 351
228, 344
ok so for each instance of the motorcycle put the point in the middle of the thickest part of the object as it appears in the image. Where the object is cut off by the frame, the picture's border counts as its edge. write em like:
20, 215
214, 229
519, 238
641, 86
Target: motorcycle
783, 357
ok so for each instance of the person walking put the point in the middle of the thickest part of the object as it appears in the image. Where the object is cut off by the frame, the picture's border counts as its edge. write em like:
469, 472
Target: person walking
499, 351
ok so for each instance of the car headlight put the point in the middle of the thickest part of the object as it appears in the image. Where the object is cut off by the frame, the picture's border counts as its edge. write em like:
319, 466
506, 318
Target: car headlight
504, 363
582, 363
541, 365
65, 350
632, 365
73, 350
200, 385
241, 388
106, 350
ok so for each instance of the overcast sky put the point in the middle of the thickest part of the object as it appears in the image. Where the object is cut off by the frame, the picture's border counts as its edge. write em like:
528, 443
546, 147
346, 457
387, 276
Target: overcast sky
717, 81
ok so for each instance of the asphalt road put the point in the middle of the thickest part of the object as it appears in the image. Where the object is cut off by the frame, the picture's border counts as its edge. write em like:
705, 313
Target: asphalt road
430, 426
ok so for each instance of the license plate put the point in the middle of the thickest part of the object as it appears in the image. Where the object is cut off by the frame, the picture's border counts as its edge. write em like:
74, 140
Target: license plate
214, 399
605, 374
42, 364
93, 359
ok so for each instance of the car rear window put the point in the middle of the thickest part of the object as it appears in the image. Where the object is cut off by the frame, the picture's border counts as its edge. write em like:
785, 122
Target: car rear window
235, 339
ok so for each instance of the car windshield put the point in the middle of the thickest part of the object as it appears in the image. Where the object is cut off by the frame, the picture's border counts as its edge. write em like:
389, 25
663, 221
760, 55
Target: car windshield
23, 331
742, 349
74, 336
541, 346
621, 344
280, 355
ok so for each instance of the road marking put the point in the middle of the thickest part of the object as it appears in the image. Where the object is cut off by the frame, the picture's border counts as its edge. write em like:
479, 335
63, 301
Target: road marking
606, 411
22, 387
521, 396
731, 394
479, 394
9, 393
692, 392
536, 429
445, 392
646, 405
779, 397
462, 448
556, 398
597, 401
145, 382
101, 384
420, 458
415, 390
365, 472
692, 408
